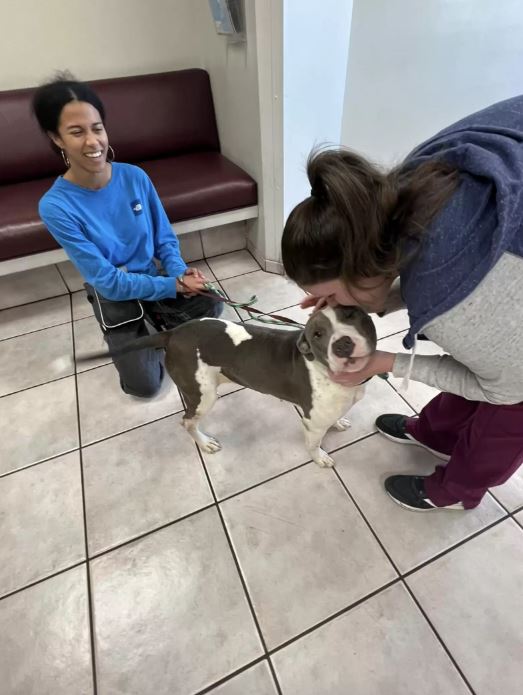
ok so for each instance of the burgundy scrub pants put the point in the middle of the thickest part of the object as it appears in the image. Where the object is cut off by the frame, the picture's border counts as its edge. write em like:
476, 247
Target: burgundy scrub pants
484, 442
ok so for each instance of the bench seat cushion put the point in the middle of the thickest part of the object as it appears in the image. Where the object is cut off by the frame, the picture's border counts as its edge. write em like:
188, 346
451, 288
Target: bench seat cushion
189, 185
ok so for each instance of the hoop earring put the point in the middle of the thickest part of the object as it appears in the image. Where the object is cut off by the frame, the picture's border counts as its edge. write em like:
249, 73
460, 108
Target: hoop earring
65, 158
111, 151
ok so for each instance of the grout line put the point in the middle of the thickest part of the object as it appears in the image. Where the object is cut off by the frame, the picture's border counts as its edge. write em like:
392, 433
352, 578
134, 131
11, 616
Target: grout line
37, 463
230, 676
44, 383
441, 554
57, 573
366, 521
56, 265
333, 616
438, 637
397, 392
274, 677
131, 429
402, 576
139, 537
35, 301
84, 512
234, 557
36, 330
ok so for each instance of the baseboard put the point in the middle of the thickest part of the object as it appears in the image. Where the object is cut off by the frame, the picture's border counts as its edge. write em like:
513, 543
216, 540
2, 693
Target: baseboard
274, 267
202, 236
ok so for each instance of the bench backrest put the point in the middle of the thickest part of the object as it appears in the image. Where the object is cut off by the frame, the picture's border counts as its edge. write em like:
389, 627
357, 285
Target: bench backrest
148, 117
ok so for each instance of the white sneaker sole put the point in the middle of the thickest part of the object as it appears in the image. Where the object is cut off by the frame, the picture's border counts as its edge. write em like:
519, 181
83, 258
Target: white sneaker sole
412, 441
458, 507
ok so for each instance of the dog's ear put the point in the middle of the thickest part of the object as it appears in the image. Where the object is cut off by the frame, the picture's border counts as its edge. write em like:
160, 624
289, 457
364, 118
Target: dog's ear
304, 346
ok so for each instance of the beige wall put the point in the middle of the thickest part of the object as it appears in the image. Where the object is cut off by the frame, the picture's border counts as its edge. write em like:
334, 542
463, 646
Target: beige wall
97, 38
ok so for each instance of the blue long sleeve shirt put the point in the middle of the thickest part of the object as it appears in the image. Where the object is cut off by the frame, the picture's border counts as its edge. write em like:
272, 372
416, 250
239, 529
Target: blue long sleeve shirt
112, 235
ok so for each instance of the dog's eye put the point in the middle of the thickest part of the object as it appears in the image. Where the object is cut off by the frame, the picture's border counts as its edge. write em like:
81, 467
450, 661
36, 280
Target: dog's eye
317, 334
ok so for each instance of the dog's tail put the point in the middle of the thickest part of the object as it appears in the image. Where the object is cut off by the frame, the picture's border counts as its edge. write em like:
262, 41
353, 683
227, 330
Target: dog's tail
156, 340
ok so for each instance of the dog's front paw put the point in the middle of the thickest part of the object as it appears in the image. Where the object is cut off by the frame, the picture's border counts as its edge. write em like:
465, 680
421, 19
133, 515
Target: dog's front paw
342, 424
209, 444
323, 459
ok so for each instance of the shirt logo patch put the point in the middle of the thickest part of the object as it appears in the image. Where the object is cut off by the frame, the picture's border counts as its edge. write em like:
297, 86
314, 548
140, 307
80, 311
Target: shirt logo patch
136, 207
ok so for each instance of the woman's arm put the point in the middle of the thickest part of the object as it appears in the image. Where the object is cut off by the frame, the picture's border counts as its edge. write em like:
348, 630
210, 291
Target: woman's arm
111, 282
167, 248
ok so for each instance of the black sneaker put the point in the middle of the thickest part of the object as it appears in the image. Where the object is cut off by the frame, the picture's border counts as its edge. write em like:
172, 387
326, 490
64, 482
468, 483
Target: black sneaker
394, 427
409, 492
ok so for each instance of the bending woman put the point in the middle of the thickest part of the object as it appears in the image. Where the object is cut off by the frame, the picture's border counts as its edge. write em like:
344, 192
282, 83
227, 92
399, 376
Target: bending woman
441, 234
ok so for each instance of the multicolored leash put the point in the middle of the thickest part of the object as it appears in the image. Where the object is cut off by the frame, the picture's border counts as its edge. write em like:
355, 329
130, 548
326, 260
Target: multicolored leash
275, 319
263, 317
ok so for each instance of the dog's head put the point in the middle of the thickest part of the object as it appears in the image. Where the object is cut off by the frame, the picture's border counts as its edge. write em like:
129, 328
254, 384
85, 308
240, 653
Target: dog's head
340, 338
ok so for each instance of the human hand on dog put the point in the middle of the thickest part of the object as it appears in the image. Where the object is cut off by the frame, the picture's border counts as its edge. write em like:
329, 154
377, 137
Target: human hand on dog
379, 363
316, 302
194, 281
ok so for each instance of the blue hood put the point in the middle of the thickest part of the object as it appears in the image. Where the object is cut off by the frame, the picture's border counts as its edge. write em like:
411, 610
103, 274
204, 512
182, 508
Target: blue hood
482, 220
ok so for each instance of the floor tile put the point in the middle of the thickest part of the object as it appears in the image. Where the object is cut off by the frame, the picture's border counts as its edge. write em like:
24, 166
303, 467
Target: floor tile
255, 681
71, 276
88, 339
203, 267
261, 436
170, 612
82, 308
304, 550
383, 646
44, 638
409, 537
418, 394
36, 358
231, 264
473, 598
296, 313
30, 286
379, 398
191, 248
397, 322
274, 292
140, 480
510, 494
34, 316
119, 412
224, 239
41, 521
32, 430
230, 314
519, 518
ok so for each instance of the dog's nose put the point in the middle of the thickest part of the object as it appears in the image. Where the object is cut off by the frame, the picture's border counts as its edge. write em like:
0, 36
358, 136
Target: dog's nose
343, 347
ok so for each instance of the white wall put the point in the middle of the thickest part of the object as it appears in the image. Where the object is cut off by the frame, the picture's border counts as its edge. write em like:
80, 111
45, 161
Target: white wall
316, 44
416, 66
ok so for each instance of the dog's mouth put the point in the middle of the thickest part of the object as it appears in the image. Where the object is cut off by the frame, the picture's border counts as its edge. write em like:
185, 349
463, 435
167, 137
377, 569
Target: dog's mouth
350, 354
350, 364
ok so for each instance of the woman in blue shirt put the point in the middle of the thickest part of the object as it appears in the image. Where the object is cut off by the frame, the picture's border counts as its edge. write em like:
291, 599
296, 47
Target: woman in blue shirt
110, 221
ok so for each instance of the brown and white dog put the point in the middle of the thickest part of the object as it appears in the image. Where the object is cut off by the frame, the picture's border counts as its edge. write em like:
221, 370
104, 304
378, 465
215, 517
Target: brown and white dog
292, 365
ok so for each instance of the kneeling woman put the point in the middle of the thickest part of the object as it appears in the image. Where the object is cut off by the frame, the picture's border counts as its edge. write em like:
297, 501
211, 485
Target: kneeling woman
109, 219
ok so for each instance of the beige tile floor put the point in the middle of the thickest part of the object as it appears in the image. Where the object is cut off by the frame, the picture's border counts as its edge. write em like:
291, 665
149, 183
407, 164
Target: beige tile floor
130, 564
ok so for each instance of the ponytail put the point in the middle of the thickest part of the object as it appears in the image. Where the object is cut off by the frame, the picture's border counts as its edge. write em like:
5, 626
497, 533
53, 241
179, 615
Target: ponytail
361, 222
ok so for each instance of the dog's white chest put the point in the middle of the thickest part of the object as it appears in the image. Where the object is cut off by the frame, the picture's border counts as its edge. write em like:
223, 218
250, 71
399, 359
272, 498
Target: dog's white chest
330, 401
